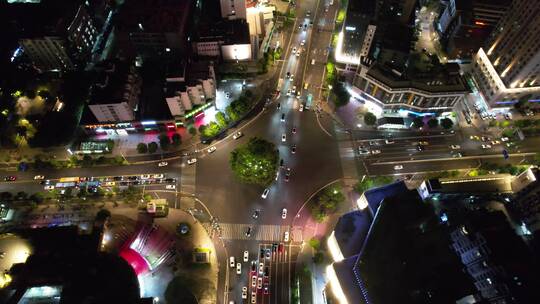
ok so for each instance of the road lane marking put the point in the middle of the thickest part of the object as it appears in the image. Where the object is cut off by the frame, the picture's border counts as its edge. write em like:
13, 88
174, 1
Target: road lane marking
452, 158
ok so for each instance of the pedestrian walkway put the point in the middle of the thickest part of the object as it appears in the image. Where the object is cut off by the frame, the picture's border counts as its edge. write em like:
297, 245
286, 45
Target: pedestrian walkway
266, 233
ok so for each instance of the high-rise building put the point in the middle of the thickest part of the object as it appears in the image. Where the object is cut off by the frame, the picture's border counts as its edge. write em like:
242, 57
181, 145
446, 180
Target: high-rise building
465, 25
507, 68
53, 34
155, 27
115, 96
233, 9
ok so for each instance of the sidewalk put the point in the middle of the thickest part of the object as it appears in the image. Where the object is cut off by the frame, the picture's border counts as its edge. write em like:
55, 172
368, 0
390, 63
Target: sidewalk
319, 279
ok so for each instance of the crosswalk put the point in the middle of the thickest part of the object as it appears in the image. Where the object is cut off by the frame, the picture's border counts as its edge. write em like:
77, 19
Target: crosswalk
266, 233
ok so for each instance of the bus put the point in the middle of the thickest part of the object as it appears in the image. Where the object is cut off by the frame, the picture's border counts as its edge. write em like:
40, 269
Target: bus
69, 179
309, 101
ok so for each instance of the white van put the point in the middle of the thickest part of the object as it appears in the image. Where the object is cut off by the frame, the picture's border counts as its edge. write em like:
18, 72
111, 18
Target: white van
312, 61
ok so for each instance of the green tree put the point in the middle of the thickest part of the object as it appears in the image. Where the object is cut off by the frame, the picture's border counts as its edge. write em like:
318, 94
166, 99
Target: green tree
164, 141
315, 243
370, 119
221, 120
192, 130
433, 123
142, 148
447, 123
233, 115
418, 123
255, 162
176, 139
342, 96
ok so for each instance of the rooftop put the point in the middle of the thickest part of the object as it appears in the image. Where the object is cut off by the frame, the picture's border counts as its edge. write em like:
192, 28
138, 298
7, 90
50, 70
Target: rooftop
111, 79
407, 250
155, 16
351, 231
230, 31
442, 82
43, 18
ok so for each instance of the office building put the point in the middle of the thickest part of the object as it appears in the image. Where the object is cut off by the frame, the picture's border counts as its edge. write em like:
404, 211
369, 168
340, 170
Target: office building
389, 85
373, 251
233, 9
154, 27
188, 86
507, 68
115, 95
482, 240
228, 40
55, 35
400, 10
357, 33
464, 25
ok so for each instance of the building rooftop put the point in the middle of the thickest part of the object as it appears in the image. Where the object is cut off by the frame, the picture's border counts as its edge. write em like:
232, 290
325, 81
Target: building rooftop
442, 82
519, 266
351, 231
229, 31
155, 16
404, 247
43, 18
111, 78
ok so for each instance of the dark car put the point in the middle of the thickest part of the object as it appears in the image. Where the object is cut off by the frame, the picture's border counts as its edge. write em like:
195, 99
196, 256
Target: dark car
274, 247
118, 178
419, 148
10, 178
248, 231
278, 106
132, 178
281, 163
255, 214
266, 271
293, 149
261, 255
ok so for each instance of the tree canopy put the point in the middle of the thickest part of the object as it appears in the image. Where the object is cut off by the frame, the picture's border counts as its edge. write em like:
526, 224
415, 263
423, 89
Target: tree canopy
370, 119
255, 162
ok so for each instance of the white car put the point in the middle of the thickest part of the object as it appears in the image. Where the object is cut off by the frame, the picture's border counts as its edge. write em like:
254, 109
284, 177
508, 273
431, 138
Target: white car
284, 213
293, 90
261, 268
363, 151
246, 256
145, 176
398, 167
162, 164
455, 147
259, 283
484, 146
505, 139
244, 292
237, 135
231, 261
375, 151
39, 177
170, 187
277, 175
298, 53
301, 107
303, 42
283, 137
157, 176
286, 236
191, 161
265, 193
495, 142
294, 50
289, 92
211, 149
388, 141
238, 268
49, 187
